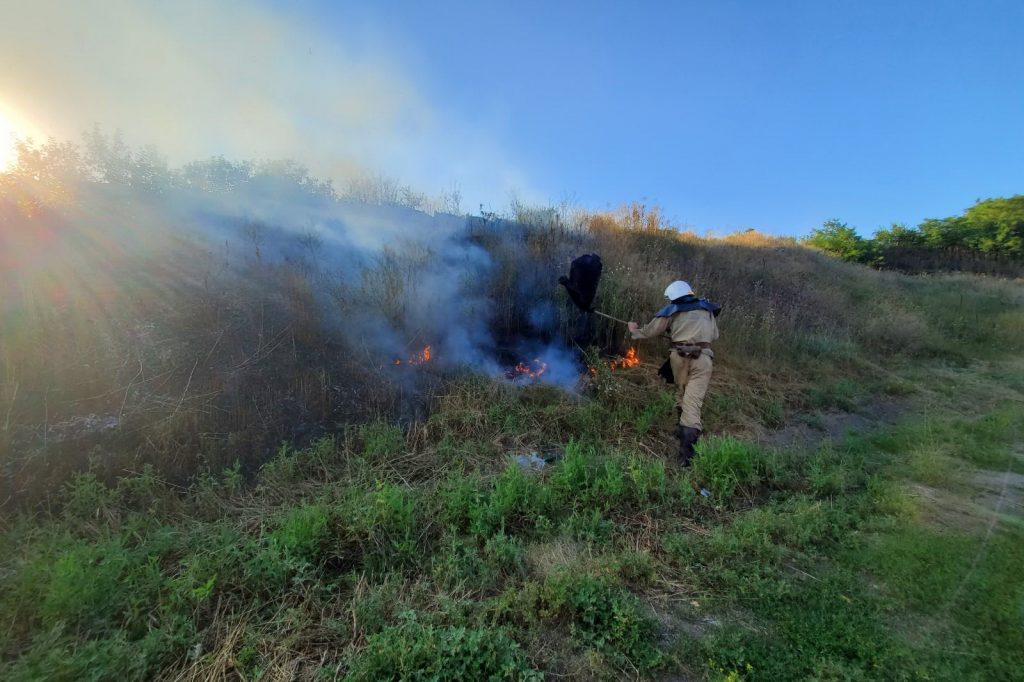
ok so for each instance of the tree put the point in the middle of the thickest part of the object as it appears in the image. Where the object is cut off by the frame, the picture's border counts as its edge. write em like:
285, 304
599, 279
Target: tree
997, 226
897, 235
841, 240
109, 158
44, 175
945, 233
149, 171
993, 227
217, 174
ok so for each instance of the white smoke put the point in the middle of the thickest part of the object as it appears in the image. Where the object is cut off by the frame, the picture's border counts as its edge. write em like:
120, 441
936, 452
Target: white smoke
389, 279
241, 79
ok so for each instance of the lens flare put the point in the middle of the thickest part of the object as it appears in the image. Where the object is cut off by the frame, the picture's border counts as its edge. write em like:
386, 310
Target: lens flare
7, 135
14, 126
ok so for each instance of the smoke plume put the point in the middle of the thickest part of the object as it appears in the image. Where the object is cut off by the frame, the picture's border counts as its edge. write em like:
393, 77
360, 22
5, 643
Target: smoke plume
243, 80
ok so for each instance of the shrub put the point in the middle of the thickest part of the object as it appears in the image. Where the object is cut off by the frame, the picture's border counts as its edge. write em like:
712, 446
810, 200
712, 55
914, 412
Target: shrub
572, 475
604, 617
609, 487
302, 531
458, 563
87, 497
416, 651
381, 439
505, 554
85, 585
459, 500
588, 526
727, 463
647, 480
388, 528
283, 468
839, 239
515, 502
105, 658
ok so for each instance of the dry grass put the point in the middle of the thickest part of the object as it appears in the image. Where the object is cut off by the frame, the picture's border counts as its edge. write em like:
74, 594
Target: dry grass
196, 359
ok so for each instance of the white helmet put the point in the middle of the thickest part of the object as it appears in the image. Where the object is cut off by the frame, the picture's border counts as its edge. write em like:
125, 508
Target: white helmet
677, 289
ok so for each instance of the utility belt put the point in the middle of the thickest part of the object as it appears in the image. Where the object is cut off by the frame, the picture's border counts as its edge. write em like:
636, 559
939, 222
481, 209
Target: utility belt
691, 350
685, 350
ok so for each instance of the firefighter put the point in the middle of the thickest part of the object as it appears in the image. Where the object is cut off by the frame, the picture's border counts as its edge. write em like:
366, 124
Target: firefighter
689, 322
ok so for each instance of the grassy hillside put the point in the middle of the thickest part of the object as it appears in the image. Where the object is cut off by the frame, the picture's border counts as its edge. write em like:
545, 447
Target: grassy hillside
394, 535
378, 554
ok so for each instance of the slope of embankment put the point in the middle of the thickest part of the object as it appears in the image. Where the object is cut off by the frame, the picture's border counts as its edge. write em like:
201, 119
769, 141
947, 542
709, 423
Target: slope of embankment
156, 527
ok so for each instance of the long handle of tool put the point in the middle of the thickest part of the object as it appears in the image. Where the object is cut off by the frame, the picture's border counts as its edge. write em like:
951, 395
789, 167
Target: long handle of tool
598, 312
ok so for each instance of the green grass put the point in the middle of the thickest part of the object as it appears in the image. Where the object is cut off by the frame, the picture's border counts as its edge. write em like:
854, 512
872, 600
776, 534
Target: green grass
965, 594
811, 563
415, 651
841, 394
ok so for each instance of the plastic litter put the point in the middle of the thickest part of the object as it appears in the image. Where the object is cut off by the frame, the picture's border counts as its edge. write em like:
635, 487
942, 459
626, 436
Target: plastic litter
531, 462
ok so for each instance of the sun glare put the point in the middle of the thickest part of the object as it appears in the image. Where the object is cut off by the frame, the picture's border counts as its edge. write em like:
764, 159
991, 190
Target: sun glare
7, 134
10, 129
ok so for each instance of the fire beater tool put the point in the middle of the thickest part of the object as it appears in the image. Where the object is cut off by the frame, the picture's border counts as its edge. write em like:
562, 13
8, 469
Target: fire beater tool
581, 284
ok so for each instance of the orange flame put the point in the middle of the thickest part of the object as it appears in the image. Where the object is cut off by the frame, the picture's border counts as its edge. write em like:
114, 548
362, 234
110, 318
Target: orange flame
527, 370
630, 359
417, 359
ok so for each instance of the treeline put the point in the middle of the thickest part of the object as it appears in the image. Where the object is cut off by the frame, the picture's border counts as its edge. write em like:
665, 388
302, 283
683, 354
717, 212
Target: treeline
46, 174
988, 237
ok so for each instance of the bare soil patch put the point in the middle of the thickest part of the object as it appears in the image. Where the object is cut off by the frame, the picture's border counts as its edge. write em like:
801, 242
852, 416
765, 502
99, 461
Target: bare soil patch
816, 427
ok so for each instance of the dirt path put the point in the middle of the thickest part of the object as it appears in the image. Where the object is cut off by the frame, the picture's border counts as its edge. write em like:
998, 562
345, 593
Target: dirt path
811, 428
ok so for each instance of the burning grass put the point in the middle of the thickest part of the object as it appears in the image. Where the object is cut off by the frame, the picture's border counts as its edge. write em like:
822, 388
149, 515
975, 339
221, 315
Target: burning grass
533, 369
630, 359
420, 358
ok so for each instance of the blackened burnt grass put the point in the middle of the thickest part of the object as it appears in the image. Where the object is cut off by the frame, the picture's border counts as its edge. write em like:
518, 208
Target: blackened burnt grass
381, 554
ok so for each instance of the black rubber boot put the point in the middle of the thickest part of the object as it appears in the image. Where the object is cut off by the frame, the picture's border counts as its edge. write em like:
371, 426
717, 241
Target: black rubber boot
687, 439
681, 452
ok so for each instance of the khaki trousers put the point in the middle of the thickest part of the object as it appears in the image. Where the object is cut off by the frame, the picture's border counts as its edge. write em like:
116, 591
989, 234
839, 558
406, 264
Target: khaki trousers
692, 378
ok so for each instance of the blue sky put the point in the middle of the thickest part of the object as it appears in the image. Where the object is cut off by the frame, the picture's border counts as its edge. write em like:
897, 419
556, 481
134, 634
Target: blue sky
772, 115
